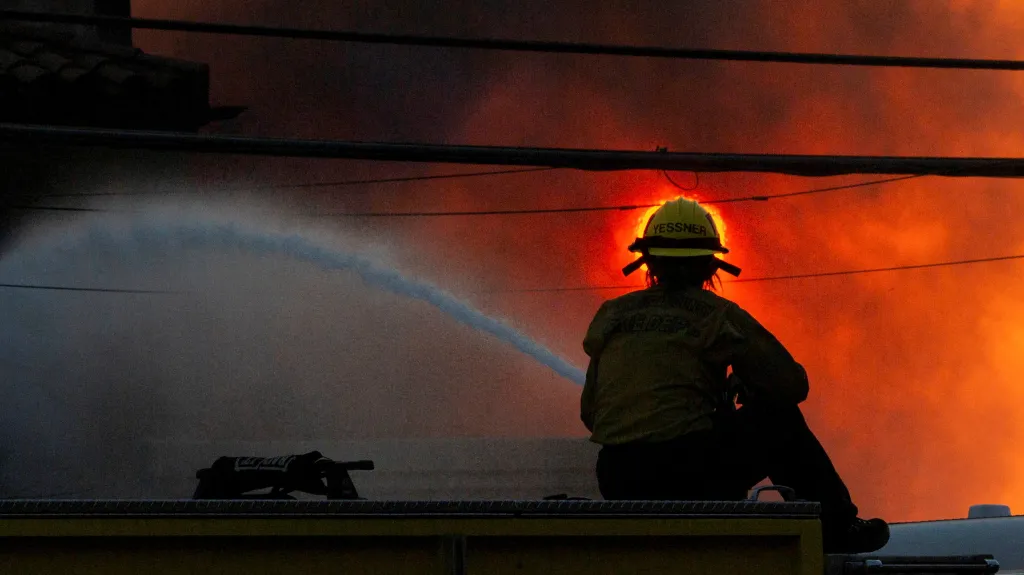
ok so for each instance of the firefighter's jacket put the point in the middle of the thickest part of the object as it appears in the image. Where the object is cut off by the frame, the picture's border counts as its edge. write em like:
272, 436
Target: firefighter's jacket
659, 359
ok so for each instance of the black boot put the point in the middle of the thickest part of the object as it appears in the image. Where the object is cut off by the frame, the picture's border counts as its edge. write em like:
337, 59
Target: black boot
860, 536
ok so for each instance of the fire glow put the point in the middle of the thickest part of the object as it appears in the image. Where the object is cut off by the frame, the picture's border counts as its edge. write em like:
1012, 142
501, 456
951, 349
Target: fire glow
914, 375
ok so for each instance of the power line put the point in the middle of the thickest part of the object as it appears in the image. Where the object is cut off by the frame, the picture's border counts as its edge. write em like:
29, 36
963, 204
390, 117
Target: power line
588, 288
569, 289
765, 198
343, 183
516, 45
782, 277
696, 181
335, 184
57, 209
878, 270
481, 212
582, 159
625, 207
85, 289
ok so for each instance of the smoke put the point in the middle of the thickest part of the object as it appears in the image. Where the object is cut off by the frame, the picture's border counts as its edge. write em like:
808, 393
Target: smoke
914, 386
274, 333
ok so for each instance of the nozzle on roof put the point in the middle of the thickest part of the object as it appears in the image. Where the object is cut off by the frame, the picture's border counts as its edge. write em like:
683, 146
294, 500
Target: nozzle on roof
987, 510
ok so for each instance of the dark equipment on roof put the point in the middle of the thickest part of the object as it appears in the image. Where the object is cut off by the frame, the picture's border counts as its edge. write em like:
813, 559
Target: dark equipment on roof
238, 477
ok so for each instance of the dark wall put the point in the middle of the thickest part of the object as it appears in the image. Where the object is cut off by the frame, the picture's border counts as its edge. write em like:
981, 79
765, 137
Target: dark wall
123, 8
29, 174
71, 6
115, 8
23, 175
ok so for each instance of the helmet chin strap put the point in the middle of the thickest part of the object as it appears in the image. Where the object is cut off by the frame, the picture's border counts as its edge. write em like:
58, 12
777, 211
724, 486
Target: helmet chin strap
728, 268
719, 264
635, 265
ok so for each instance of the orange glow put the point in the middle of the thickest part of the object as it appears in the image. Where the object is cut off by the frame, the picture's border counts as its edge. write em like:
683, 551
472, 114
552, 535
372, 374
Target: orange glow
719, 222
915, 389
641, 222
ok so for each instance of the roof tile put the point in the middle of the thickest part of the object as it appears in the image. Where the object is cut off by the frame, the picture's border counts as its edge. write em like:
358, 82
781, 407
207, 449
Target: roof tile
71, 74
27, 73
7, 59
50, 60
25, 47
47, 79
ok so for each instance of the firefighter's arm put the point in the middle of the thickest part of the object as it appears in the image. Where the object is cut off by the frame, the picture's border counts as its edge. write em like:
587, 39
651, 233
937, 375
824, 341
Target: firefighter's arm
593, 343
768, 371
587, 399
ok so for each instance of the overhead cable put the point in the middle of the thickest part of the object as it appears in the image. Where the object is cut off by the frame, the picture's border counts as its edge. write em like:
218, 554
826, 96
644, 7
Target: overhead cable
879, 270
84, 289
476, 212
343, 183
334, 184
32, 208
622, 208
593, 288
515, 212
780, 277
584, 159
547, 47
696, 181
764, 198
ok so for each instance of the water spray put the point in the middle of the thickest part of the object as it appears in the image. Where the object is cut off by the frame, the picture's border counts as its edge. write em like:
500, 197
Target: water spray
301, 247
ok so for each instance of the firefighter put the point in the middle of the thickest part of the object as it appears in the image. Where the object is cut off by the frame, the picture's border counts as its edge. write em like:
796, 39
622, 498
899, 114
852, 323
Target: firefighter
660, 400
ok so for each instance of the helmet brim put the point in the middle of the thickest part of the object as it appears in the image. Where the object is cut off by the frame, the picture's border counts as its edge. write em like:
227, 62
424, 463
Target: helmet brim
684, 252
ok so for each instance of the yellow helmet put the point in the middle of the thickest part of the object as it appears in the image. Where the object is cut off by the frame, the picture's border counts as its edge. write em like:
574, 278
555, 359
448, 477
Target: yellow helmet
680, 228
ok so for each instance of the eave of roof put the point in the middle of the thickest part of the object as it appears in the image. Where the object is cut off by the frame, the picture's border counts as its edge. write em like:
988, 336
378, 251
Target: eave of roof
50, 78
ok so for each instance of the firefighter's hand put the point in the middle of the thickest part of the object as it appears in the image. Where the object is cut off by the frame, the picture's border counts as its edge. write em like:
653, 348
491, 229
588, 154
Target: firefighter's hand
738, 389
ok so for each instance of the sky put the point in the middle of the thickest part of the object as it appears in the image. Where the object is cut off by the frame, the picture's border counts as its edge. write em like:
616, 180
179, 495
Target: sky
914, 387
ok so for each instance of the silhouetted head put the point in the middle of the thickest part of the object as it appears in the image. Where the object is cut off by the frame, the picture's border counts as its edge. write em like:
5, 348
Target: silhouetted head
673, 272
